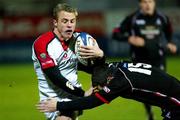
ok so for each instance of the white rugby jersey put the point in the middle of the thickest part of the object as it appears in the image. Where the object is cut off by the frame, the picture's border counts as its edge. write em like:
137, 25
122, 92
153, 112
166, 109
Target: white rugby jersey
48, 51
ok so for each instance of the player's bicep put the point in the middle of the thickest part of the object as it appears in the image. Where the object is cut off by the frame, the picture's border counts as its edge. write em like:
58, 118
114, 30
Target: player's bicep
43, 55
126, 25
168, 30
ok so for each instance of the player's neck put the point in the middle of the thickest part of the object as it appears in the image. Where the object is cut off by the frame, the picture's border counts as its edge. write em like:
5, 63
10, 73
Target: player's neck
58, 35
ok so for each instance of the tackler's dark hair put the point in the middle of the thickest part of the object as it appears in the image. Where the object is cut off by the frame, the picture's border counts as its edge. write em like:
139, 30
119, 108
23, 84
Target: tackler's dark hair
99, 76
102, 73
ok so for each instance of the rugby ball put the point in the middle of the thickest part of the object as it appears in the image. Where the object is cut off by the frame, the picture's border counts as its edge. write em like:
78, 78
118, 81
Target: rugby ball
84, 39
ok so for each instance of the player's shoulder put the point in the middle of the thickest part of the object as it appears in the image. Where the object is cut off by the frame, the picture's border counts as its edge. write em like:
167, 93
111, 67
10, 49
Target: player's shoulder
135, 13
132, 16
44, 38
162, 16
129, 16
159, 13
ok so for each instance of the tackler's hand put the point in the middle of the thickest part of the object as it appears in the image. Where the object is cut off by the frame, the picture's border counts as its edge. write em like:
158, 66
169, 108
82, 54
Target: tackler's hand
89, 92
47, 105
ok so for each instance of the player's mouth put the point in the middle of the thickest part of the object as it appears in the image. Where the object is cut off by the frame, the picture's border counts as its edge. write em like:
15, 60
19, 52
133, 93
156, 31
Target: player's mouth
69, 31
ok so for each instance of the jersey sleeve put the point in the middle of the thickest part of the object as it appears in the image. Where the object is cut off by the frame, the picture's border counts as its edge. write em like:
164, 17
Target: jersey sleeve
106, 95
79, 104
98, 98
57, 79
42, 53
167, 28
83, 103
44, 58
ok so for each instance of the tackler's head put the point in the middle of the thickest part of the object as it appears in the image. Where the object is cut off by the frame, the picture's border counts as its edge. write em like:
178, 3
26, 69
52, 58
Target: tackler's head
103, 74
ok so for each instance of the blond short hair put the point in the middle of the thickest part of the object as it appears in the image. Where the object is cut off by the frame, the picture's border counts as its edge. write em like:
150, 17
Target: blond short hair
141, 0
63, 7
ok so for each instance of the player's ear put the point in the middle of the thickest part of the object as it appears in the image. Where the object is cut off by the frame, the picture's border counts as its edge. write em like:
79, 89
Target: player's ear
55, 22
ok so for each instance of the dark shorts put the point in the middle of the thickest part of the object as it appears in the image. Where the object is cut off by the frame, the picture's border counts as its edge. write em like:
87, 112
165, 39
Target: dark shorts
71, 114
171, 115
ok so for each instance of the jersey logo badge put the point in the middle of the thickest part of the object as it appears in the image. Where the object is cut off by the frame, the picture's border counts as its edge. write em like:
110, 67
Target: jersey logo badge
140, 22
69, 85
106, 89
158, 22
43, 55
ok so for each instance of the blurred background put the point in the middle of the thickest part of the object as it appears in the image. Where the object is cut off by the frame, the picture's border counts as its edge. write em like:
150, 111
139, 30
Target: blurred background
22, 21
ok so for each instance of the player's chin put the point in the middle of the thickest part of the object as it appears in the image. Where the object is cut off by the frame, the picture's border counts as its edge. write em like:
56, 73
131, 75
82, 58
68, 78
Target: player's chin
68, 35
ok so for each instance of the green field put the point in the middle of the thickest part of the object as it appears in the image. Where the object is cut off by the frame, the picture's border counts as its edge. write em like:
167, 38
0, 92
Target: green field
19, 94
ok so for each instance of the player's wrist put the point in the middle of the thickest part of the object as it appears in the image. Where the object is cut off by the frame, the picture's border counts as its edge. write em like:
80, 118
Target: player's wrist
100, 54
79, 92
58, 106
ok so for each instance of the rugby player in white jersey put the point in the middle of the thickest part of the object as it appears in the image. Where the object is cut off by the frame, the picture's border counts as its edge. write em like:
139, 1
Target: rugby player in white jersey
56, 64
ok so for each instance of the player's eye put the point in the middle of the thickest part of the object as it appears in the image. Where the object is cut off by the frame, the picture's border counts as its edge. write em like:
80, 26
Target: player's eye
64, 20
73, 20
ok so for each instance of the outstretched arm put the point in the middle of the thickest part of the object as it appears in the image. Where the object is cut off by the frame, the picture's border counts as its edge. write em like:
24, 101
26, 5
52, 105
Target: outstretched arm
78, 104
168, 32
89, 102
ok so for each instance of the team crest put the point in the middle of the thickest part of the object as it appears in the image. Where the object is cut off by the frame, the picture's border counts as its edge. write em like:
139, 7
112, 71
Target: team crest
43, 55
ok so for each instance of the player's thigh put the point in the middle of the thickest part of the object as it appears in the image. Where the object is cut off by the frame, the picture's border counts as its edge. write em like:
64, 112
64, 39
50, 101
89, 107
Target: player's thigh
63, 118
61, 96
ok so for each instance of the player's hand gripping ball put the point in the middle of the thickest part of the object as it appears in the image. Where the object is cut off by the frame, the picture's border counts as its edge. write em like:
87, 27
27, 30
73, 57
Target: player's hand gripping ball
84, 39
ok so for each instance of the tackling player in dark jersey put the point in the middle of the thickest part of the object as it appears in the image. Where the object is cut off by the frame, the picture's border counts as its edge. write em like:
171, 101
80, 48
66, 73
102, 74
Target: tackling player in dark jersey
145, 31
138, 81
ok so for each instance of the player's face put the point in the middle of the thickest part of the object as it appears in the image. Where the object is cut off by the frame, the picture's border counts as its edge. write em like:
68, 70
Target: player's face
65, 24
147, 6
